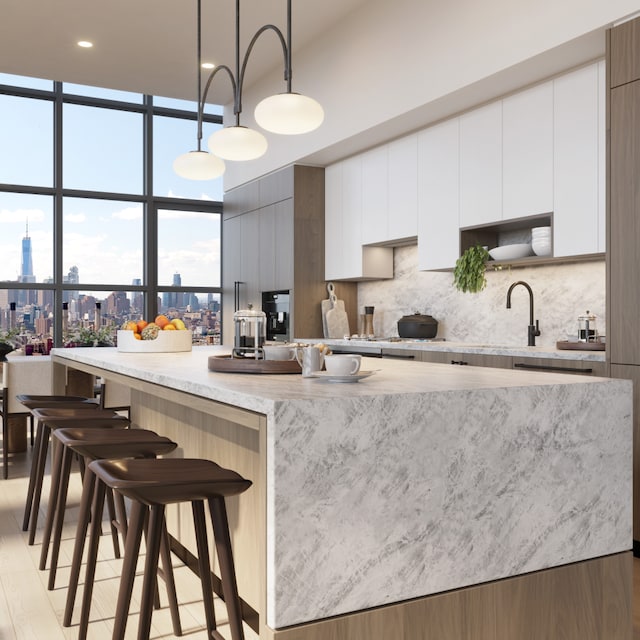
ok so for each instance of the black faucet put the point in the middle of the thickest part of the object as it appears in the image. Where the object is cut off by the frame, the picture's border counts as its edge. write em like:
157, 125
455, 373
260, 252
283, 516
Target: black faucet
533, 329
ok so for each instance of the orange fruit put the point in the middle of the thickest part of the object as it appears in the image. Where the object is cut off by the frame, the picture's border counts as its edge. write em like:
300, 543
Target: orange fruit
137, 336
169, 327
141, 325
162, 321
131, 326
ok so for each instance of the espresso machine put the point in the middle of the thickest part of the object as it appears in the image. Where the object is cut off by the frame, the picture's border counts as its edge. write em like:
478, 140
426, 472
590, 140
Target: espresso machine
275, 305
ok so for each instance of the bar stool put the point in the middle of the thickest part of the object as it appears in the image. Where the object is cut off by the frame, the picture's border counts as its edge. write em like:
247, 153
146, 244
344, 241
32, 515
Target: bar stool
72, 416
95, 444
60, 473
33, 402
153, 484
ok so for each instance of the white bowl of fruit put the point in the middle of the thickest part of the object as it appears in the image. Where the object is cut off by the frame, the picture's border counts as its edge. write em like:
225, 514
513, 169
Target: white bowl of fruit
160, 336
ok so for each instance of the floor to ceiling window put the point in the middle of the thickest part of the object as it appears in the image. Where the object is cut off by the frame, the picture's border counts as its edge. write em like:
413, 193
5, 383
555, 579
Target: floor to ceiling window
95, 227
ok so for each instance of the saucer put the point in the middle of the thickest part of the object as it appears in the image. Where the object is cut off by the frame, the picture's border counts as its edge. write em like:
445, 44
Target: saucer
324, 375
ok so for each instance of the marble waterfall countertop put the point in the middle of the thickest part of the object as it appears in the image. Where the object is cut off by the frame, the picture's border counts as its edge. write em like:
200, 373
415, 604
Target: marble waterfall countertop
421, 478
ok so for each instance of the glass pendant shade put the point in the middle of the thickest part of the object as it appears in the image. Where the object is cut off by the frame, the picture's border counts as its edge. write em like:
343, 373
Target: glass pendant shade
198, 165
289, 114
237, 143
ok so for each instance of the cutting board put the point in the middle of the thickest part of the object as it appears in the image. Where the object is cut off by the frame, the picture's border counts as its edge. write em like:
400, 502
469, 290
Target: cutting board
338, 330
337, 319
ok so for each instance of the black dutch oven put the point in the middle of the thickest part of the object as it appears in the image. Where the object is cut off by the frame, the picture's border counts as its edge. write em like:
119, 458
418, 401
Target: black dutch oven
417, 326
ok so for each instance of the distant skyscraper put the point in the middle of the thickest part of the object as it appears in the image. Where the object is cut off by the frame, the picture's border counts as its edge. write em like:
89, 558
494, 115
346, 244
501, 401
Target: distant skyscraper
27, 260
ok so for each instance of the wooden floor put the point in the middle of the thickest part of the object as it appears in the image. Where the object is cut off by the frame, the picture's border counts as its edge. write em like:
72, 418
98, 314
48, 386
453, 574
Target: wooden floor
28, 611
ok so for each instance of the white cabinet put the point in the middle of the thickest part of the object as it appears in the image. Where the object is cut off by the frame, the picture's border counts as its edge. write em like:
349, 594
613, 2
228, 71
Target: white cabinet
345, 257
578, 173
375, 194
481, 165
438, 196
527, 152
403, 189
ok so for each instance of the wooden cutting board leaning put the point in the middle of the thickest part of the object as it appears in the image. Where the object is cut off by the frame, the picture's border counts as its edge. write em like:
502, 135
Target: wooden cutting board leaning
335, 321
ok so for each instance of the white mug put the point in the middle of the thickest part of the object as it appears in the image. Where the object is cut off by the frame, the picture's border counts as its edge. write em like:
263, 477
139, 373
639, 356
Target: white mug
310, 359
342, 364
279, 352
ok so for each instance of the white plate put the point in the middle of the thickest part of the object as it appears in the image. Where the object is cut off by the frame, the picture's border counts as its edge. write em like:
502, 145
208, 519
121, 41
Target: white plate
324, 375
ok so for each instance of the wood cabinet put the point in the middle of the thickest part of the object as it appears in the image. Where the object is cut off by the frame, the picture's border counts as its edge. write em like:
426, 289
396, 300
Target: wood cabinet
623, 324
556, 365
438, 196
624, 62
481, 165
278, 245
527, 148
460, 358
579, 177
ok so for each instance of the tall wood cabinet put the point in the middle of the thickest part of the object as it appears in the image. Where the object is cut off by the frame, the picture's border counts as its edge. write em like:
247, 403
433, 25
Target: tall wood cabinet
623, 250
273, 239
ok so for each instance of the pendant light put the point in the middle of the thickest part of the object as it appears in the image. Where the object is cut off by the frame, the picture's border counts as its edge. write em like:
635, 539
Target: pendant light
198, 164
286, 113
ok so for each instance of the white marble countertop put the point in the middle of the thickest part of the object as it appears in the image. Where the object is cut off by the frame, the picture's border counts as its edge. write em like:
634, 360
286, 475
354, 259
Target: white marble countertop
463, 347
421, 478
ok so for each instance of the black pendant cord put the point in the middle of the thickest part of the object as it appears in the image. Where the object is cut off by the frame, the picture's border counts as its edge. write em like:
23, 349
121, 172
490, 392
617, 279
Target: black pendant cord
237, 80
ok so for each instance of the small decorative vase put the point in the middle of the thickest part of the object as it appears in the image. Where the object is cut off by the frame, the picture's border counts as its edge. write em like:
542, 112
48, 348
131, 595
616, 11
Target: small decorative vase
4, 349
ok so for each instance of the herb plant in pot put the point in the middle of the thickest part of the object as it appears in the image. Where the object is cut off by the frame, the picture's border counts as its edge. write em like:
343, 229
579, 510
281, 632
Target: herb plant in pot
469, 272
8, 343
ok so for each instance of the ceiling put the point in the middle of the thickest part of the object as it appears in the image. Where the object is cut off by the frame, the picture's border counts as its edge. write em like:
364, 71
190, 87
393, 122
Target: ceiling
149, 46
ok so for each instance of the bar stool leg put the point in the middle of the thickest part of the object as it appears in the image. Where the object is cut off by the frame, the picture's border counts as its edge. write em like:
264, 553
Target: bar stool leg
220, 524
154, 540
131, 551
204, 564
167, 572
32, 476
88, 487
112, 519
61, 505
94, 537
39, 478
54, 493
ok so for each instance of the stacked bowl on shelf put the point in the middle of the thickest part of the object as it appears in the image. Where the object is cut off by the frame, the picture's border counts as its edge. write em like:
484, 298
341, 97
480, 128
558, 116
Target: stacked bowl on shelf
541, 241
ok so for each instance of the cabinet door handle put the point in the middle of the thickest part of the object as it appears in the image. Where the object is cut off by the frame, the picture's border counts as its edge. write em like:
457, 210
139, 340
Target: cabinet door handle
398, 357
543, 367
462, 362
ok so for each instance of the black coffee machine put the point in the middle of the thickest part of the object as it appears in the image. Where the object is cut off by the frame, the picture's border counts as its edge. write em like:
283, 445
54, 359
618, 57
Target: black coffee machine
275, 305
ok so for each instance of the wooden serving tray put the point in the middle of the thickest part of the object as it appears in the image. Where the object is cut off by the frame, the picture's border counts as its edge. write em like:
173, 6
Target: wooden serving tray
229, 364
580, 346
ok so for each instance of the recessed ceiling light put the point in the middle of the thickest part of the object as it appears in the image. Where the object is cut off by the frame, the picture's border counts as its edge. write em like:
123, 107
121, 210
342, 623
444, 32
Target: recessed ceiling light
208, 65
85, 44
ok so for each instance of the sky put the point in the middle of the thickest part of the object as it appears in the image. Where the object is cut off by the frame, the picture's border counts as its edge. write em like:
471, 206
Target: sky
102, 152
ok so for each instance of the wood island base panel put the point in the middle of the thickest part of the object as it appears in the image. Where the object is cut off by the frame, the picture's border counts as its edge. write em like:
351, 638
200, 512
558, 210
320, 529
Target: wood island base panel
427, 501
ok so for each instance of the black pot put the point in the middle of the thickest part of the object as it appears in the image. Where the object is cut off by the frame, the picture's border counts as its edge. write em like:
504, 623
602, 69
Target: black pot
418, 326
4, 350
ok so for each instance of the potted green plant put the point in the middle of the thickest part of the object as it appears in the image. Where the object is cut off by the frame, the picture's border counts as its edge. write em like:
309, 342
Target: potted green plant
89, 337
469, 272
9, 341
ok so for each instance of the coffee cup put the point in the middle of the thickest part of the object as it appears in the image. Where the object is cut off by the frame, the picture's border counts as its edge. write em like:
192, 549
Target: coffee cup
342, 364
310, 360
279, 352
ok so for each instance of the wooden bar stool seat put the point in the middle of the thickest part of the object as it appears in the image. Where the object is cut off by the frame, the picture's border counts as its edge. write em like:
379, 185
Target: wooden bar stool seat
96, 444
69, 415
153, 484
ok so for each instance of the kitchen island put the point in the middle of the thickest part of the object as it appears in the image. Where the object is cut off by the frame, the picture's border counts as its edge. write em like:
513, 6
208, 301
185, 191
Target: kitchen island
426, 499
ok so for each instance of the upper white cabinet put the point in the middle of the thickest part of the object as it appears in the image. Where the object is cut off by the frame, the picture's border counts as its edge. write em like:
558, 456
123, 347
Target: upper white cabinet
403, 188
576, 158
345, 256
375, 194
481, 165
527, 152
438, 196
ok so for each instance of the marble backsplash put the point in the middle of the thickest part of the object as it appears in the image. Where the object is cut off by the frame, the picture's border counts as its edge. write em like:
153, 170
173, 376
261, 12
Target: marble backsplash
561, 294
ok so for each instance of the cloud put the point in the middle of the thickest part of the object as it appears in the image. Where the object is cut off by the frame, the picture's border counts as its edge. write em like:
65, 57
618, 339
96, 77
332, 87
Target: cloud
128, 213
21, 215
75, 217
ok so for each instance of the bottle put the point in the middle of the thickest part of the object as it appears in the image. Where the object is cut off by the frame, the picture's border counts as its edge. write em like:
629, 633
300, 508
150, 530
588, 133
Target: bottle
368, 322
65, 320
97, 319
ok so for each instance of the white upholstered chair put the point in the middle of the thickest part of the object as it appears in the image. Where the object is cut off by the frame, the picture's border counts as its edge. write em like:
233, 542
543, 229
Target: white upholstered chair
22, 375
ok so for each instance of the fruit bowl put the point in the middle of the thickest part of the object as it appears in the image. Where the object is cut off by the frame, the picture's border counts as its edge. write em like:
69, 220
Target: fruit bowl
166, 342
510, 251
